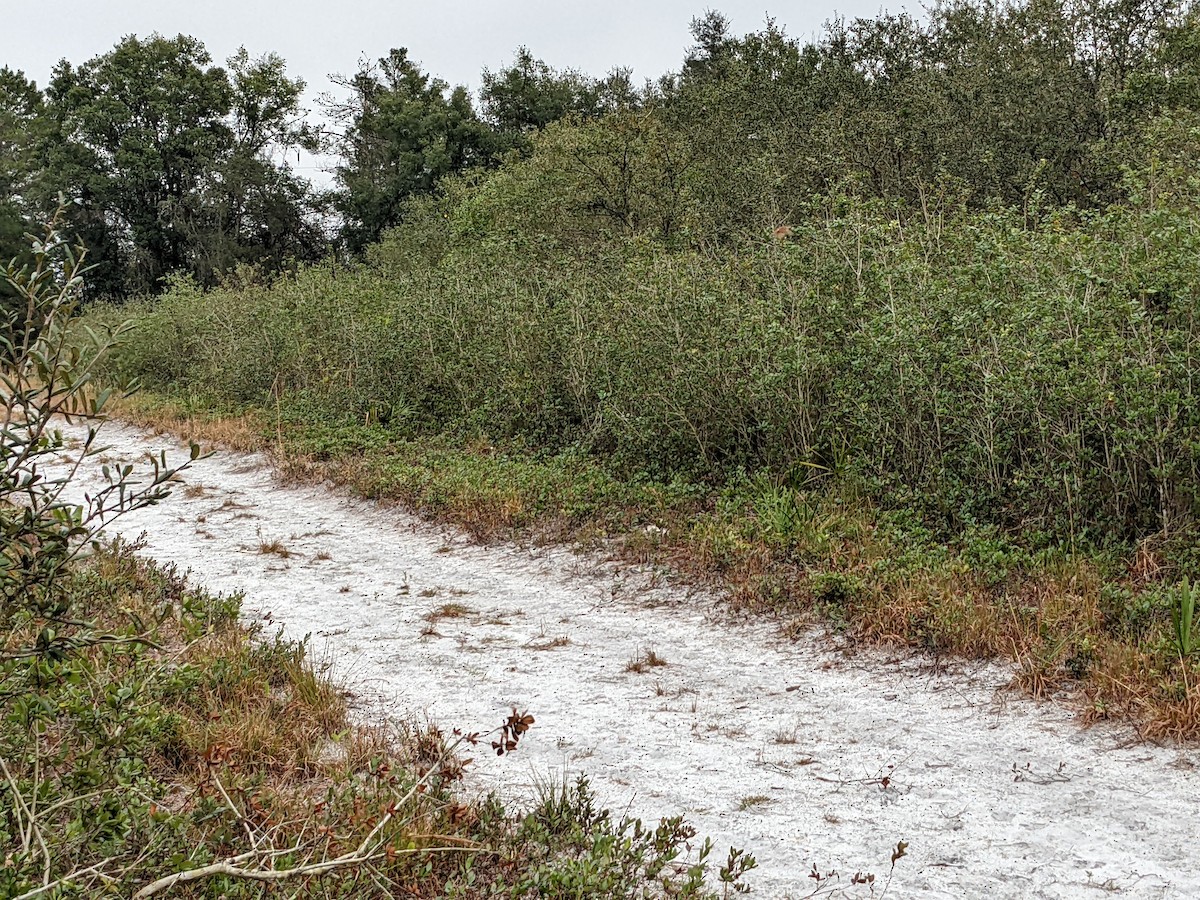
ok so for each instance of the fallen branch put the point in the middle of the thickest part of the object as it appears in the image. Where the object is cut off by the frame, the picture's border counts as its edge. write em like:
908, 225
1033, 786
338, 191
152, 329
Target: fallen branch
364, 853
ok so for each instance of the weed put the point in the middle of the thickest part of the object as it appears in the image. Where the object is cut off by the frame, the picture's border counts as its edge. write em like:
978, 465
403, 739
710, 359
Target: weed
448, 611
274, 548
786, 736
550, 643
644, 662
1182, 615
753, 801
614, 858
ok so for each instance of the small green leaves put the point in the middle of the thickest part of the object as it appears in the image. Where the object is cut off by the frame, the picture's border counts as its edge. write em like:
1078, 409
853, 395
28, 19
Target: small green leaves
1182, 618
46, 377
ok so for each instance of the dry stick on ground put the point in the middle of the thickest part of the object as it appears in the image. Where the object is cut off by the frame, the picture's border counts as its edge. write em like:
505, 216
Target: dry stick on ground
363, 853
251, 831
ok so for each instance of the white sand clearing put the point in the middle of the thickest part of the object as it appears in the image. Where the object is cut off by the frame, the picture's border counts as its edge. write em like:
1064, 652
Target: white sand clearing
802, 756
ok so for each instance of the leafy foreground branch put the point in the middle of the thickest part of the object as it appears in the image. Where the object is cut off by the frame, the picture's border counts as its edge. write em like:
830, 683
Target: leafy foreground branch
46, 371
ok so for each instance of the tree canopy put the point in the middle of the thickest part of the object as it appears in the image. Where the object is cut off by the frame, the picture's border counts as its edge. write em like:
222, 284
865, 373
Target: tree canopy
402, 131
174, 161
179, 165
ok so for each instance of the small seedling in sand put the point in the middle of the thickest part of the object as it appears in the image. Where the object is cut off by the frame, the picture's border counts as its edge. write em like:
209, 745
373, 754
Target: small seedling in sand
322, 556
753, 801
644, 662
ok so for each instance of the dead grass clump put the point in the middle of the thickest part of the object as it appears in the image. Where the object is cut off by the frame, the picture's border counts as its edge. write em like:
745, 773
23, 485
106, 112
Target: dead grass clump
786, 736
1158, 691
644, 662
448, 611
554, 643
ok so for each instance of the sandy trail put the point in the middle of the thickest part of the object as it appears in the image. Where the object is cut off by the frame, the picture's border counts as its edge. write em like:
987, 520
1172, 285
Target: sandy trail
776, 747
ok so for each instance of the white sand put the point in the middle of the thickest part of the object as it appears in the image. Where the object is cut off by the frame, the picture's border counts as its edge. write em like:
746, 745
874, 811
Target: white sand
776, 747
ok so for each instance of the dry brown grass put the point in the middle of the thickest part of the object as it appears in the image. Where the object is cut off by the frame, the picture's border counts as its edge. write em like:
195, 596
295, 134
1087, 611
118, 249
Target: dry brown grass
448, 611
553, 643
274, 548
243, 433
645, 661
279, 728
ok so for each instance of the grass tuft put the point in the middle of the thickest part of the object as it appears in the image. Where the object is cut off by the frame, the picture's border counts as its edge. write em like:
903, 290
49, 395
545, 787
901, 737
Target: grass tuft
644, 662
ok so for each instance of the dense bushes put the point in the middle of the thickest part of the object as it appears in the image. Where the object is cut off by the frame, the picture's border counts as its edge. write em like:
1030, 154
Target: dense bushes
1024, 369
898, 328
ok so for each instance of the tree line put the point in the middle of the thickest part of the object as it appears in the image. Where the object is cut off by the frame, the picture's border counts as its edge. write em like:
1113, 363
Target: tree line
177, 165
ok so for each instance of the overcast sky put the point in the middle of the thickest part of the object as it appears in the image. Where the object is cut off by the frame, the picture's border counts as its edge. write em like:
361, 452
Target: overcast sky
453, 40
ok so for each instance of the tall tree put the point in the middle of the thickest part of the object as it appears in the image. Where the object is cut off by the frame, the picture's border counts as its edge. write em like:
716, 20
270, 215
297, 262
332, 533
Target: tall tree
402, 131
528, 95
981, 101
167, 154
21, 120
257, 210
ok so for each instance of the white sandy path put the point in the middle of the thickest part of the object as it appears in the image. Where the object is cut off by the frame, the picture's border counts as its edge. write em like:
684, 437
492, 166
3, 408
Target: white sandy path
1088, 813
